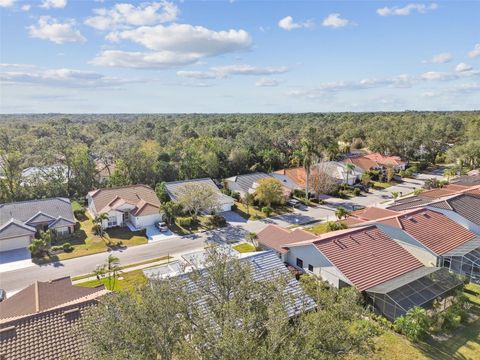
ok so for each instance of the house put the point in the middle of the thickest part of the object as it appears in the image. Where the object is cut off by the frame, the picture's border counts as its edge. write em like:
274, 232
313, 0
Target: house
367, 258
104, 170
265, 265
135, 206
20, 221
223, 202
274, 238
40, 322
436, 240
45, 173
245, 184
395, 161
362, 164
295, 178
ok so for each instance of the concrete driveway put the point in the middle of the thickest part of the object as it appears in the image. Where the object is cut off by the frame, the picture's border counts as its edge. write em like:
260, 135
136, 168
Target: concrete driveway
154, 234
15, 259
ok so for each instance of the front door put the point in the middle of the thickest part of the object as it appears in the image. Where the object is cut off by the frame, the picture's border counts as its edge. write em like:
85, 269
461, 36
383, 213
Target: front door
125, 217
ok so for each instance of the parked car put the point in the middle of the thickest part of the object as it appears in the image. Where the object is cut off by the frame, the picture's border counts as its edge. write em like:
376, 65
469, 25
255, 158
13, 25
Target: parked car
294, 203
162, 226
3, 295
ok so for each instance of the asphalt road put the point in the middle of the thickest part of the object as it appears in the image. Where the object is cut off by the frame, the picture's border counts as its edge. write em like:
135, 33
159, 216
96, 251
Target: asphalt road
18, 279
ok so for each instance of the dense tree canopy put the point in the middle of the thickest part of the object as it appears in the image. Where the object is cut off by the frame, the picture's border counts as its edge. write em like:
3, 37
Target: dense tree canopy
150, 149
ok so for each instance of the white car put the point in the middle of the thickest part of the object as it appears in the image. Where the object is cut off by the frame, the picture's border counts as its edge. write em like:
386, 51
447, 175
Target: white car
162, 226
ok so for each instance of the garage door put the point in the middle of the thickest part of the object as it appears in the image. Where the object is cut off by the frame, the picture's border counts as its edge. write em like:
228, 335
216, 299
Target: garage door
15, 243
226, 207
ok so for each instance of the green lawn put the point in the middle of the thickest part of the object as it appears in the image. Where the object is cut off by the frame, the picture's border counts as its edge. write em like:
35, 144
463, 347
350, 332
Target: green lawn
463, 345
202, 224
381, 185
84, 242
244, 248
255, 213
131, 280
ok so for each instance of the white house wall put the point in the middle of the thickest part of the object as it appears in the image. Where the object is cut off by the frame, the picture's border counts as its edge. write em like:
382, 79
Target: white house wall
413, 246
458, 219
321, 265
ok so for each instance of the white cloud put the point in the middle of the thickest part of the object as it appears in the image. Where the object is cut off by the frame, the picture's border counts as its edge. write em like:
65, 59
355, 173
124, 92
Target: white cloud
124, 15
335, 21
288, 24
50, 29
221, 72
462, 67
7, 3
173, 45
439, 59
475, 52
406, 10
266, 82
31, 74
59, 4
26, 7
437, 75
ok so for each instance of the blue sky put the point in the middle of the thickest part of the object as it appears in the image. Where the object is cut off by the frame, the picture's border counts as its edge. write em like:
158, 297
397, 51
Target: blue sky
238, 56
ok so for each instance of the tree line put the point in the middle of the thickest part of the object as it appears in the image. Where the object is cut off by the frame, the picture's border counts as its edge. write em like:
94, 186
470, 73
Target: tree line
149, 149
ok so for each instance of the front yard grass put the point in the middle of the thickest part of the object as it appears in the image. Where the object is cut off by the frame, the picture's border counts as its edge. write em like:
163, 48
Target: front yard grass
244, 248
381, 185
85, 242
129, 281
319, 229
203, 224
255, 212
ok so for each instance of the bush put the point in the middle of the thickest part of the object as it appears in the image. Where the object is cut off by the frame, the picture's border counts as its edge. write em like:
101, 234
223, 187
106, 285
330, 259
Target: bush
80, 214
235, 195
413, 324
234, 207
267, 210
67, 247
334, 226
217, 220
343, 194
57, 248
299, 193
184, 221
356, 191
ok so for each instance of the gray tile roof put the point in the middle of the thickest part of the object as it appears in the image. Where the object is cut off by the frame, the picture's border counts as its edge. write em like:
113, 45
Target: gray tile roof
24, 210
267, 266
467, 180
15, 228
466, 205
409, 203
245, 182
175, 188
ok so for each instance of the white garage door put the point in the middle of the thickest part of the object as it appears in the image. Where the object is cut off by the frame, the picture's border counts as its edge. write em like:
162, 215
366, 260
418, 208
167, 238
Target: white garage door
15, 243
226, 207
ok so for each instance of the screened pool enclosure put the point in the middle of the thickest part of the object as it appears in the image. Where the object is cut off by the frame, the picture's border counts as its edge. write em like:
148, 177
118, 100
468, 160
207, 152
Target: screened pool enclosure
419, 287
464, 260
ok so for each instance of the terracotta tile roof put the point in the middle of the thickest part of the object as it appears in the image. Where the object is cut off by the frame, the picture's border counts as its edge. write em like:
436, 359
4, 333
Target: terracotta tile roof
366, 256
296, 175
444, 191
385, 160
42, 296
48, 335
362, 162
275, 237
107, 198
433, 229
373, 213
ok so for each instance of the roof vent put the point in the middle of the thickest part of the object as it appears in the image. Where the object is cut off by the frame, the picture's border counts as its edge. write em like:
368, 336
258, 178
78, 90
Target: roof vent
71, 311
426, 215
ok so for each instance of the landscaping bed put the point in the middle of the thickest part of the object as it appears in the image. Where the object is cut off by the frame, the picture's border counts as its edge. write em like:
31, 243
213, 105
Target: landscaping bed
244, 248
255, 212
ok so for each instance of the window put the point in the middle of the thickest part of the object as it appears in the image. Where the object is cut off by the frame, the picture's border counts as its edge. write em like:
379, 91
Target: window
310, 267
112, 221
300, 263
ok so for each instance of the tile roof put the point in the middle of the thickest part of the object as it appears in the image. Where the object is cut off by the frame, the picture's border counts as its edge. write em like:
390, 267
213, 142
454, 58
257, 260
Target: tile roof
433, 229
275, 237
467, 180
372, 213
46, 336
333, 168
175, 188
42, 296
25, 210
366, 256
409, 203
362, 162
443, 191
466, 205
108, 198
385, 160
296, 175
245, 182
265, 266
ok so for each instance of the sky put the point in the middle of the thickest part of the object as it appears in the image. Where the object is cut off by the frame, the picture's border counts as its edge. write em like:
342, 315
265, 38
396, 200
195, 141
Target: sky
80, 56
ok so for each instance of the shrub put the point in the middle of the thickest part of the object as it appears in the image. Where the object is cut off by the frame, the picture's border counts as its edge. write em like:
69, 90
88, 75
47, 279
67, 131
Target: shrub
299, 193
67, 247
184, 221
80, 214
267, 210
413, 324
217, 220
356, 191
334, 226
57, 248
235, 195
234, 207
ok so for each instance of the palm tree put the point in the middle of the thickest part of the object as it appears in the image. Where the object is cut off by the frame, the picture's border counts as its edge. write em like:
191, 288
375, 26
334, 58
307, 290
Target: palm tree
98, 221
308, 153
112, 267
341, 213
350, 167
449, 172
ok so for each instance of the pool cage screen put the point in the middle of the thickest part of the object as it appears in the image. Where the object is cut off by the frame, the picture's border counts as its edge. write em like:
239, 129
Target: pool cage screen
418, 288
464, 261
